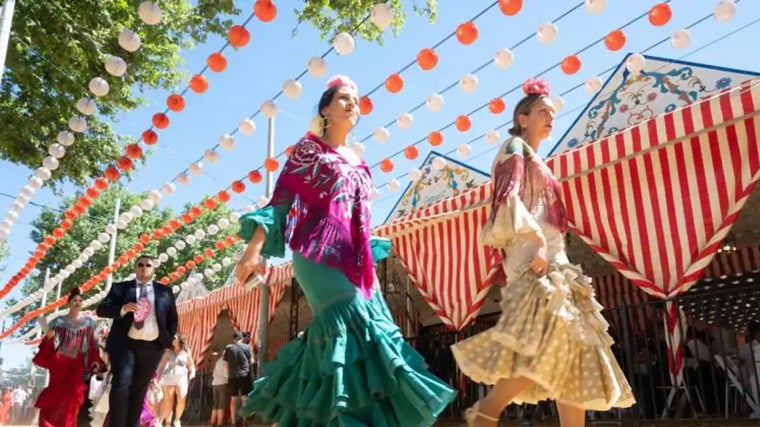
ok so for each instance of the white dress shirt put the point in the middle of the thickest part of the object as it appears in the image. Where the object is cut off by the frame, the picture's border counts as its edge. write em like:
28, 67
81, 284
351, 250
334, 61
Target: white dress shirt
149, 331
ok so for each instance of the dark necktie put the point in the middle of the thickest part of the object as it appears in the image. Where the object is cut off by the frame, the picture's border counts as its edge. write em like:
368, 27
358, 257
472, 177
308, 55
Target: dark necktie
142, 302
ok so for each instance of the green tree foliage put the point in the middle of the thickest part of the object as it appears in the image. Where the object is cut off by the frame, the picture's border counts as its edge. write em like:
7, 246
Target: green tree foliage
87, 227
57, 46
331, 17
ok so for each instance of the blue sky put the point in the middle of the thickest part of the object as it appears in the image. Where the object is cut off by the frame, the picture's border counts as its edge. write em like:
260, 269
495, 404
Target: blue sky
257, 71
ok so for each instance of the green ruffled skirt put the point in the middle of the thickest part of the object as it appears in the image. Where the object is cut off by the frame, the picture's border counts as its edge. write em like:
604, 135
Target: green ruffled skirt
351, 367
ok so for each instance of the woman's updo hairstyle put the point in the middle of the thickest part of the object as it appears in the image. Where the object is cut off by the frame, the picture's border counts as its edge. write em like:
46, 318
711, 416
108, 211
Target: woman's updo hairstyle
74, 292
534, 89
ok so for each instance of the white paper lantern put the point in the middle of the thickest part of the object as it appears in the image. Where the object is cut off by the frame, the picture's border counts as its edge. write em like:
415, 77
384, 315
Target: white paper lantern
96, 245
226, 262
35, 182
183, 178
22, 198
262, 201
217, 267
77, 124
57, 150
439, 163
86, 106
129, 40
116, 66
248, 209
292, 89
434, 102
223, 223
6, 225
492, 137
163, 257
504, 58
269, 109
110, 229
76, 264
154, 195
183, 285
4, 234
42, 173
213, 229
358, 148
126, 217
394, 185
595, 6
27, 191
149, 12
50, 163
180, 244
175, 289
559, 103
547, 33
464, 150
18, 206
88, 252
104, 237
381, 15
227, 141
208, 273
121, 224
247, 127
317, 66
680, 39
468, 83
171, 251
168, 188
147, 204
235, 217
725, 10
199, 234
344, 43
404, 121
210, 156
196, 168
11, 216
381, 134
635, 63
65, 138
99, 86
374, 193
593, 85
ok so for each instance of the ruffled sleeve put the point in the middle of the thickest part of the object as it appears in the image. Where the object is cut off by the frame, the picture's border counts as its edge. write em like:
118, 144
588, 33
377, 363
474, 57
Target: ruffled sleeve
509, 217
381, 248
272, 219
45, 357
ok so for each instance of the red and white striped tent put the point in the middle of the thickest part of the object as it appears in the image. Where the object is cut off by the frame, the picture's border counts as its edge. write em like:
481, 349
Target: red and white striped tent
654, 200
197, 317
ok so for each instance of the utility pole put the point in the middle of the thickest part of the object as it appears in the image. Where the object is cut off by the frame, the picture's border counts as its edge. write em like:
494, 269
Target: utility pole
6, 19
264, 289
112, 248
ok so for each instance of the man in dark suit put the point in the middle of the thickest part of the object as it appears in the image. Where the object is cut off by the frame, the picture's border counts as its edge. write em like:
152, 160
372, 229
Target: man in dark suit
144, 317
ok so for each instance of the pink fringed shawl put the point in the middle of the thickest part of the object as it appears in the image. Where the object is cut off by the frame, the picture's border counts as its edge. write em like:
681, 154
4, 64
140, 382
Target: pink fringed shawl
329, 219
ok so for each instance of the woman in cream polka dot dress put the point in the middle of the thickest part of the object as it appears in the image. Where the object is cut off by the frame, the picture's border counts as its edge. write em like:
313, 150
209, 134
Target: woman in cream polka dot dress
551, 341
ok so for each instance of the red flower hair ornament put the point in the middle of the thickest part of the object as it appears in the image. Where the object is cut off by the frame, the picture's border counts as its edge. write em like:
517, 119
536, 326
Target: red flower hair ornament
341, 80
536, 86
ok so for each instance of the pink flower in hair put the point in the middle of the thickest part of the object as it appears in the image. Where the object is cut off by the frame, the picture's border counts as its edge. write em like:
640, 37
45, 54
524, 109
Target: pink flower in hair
341, 80
536, 86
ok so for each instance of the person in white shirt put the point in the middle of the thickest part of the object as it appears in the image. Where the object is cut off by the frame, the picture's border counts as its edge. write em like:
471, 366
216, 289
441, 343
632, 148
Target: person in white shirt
18, 398
145, 322
749, 359
220, 391
177, 369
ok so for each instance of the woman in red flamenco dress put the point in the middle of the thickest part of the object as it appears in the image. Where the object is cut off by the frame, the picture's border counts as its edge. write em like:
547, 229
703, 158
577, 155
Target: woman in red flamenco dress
68, 351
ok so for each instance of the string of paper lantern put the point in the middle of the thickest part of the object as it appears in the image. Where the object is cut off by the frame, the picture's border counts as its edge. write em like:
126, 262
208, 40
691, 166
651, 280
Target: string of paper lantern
238, 37
491, 137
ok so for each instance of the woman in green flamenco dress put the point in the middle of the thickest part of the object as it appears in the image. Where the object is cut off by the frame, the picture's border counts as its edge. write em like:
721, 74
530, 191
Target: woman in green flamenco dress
352, 366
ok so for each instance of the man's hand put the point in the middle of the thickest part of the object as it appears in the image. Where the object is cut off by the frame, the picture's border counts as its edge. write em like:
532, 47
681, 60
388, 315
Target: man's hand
129, 307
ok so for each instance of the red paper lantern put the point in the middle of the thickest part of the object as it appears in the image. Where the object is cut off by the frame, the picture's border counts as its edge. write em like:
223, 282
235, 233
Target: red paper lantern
615, 40
216, 62
229, 240
271, 164
198, 258
78, 209
219, 245
174, 276
209, 253
223, 196
238, 186
138, 247
510, 7
660, 14
164, 280
365, 105
386, 165
175, 102
101, 184
125, 164
497, 106
85, 201
66, 224
70, 214
175, 224
145, 238
181, 270
394, 83
265, 10
190, 265
196, 211
158, 234
134, 151
111, 173
467, 32
427, 59
289, 150
411, 152
435, 138
150, 137
238, 36
210, 204
571, 64
92, 192
130, 253
187, 218
254, 176
50, 240
198, 83
463, 123
160, 121
167, 230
